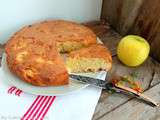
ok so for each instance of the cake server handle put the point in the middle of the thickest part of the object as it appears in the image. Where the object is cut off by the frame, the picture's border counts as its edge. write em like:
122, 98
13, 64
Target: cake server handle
136, 94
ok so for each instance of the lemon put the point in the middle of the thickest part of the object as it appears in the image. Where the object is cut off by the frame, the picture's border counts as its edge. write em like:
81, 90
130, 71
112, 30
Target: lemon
133, 50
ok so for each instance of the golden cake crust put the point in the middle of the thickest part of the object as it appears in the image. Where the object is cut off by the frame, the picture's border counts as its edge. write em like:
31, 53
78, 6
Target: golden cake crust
32, 53
34, 62
62, 32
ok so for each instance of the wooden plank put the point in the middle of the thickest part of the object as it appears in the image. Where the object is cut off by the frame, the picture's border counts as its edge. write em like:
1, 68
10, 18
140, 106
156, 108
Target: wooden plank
148, 74
147, 22
135, 17
108, 103
135, 110
155, 49
156, 73
121, 14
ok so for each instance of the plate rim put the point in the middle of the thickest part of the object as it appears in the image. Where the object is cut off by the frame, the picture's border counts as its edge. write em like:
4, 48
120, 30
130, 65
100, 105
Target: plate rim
10, 82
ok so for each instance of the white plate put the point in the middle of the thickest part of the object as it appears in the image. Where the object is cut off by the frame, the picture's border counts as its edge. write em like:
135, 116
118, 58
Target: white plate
73, 85
60, 90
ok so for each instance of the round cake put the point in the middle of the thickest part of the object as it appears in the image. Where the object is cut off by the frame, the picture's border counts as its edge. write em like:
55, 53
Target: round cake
33, 53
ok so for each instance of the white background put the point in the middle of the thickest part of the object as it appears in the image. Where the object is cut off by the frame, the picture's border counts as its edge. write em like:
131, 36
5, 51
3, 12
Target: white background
14, 14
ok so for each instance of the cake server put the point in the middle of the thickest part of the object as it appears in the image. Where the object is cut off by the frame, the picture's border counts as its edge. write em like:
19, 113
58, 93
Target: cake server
114, 87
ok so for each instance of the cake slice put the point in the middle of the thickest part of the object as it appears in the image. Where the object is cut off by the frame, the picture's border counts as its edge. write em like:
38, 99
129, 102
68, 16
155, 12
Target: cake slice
90, 59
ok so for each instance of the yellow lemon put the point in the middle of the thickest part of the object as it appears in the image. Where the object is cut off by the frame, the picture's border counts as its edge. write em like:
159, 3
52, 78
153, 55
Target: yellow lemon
133, 50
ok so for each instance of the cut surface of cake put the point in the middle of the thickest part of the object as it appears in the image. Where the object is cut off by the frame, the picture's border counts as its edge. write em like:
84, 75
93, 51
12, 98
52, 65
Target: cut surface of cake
89, 59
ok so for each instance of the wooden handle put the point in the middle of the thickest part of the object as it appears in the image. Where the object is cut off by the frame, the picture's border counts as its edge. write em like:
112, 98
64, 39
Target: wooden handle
144, 97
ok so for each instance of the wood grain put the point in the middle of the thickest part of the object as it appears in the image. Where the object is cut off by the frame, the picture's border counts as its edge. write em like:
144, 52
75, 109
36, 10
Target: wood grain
136, 110
139, 17
148, 74
108, 103
121, 14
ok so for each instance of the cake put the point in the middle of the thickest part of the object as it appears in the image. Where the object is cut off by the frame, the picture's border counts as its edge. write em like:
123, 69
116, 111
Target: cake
34, 52
89, 59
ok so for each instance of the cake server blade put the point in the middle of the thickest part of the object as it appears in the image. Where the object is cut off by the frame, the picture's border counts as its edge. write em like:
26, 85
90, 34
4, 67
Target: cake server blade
89, 80
117, 88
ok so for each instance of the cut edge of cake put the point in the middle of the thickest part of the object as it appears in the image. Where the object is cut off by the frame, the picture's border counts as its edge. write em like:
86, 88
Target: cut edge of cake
90, 59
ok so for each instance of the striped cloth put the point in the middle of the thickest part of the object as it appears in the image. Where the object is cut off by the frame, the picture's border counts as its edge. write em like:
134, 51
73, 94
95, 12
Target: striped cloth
16, 105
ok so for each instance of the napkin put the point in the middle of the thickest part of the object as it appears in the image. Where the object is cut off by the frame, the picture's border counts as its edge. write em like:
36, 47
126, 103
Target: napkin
16, 104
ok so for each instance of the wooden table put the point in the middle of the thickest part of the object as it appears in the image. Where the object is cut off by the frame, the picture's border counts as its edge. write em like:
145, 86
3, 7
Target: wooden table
120, 107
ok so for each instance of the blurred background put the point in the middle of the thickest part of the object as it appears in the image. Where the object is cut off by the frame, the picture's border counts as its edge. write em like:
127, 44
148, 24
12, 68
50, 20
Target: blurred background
16, 13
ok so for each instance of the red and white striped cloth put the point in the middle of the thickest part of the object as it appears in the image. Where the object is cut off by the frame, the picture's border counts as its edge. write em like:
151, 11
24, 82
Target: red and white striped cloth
17, 105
